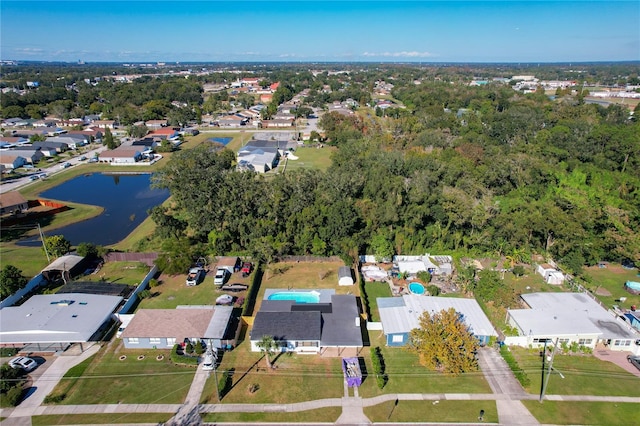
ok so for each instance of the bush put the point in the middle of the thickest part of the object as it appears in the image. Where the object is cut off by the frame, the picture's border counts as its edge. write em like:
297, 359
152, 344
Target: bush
6, 352
513, 365
224, 386
199, 348
518, 270
55, 399
153, 283
424, 276
378, 367
433, 290
189, 348
13, 396
182, 359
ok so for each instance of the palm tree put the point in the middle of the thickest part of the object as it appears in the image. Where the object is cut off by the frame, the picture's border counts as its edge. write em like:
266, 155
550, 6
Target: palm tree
267, 345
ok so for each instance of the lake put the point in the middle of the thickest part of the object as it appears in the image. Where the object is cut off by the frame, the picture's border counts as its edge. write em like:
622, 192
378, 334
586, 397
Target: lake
124, 197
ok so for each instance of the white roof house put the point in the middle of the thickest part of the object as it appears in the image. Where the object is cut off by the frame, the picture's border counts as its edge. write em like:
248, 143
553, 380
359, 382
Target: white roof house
400, 315
56, 319
570, 317
436, 265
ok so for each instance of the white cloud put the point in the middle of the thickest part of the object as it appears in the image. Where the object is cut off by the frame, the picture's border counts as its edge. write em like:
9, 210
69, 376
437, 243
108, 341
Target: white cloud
403, 54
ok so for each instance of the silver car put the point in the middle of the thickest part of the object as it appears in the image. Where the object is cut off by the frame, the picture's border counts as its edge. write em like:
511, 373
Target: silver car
635, 360
23, 362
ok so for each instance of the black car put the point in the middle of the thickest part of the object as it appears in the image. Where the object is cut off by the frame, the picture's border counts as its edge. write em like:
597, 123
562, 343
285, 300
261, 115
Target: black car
635, 360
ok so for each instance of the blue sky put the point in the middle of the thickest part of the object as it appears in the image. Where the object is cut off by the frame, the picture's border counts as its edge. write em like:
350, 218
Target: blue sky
390, 31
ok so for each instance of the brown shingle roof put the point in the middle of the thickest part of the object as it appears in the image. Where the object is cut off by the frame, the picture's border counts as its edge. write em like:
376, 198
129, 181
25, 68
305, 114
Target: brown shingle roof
13, 198
178, 323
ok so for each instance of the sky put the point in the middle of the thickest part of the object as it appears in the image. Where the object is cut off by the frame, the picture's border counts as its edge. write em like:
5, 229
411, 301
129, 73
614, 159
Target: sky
320, 31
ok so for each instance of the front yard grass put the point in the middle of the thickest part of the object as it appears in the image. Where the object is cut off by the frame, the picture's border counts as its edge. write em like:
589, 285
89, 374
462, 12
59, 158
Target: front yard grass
101, 419
406, 374
418, 412
296, 378
584, 375
325, 415
130, 273
584, 413
106, 379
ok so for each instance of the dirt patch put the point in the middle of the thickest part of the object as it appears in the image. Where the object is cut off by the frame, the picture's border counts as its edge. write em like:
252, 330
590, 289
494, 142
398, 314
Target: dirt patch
603, 292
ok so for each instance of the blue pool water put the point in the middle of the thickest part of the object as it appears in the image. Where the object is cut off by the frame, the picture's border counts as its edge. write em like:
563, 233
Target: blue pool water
297, 296
633, 285
416, 288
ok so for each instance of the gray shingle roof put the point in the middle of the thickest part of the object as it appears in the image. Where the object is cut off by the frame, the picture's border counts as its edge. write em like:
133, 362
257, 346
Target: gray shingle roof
287, 325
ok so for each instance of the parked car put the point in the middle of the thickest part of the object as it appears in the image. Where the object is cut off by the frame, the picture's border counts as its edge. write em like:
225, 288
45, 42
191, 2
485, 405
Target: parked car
221, 276
195, 276
93, 160
23, 362
247, 268
210, 359
635, 360
65, 165
83, 158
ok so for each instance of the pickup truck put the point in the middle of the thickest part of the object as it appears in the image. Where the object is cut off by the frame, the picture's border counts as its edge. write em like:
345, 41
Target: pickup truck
221, 277
247, 268
195, 276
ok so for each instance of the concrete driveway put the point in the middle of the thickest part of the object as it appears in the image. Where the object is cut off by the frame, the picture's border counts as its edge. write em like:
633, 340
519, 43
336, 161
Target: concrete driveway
619, 358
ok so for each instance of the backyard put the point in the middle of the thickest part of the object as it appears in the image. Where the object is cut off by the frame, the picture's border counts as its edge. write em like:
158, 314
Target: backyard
311, 158
608, 285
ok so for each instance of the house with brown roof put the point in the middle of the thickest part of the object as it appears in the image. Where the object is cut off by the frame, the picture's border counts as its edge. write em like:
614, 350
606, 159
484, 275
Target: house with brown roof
11, 160
12, 202
156, 124
30, 153
232, 121
121, 155
163, 328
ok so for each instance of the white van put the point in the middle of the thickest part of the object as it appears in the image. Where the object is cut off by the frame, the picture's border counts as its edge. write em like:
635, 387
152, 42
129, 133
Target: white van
210, 358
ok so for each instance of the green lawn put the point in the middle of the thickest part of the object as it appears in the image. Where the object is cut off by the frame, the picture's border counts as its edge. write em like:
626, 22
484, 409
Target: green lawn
130, 273
311, 158
297, 378
406, 374
105, 379
584, 413
583, 375
374, 290
431, 411
608, 284
110, 418
327, 415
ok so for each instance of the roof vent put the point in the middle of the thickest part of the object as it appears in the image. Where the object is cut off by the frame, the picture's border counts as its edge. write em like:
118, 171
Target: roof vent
63, 302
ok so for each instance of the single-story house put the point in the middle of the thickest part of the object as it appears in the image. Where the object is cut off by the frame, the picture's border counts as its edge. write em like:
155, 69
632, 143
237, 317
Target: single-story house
308, 321
232, 121
164, 133
435, 265
11, 160
147, 143
400, 315
52, 322
278, 122
104, 124
14, 140
30, 153
52, 145
344, 276
163, 328
94, 135
73, 140
121, 155
156, 124
550, 274
570, 318
12, 202
260, 159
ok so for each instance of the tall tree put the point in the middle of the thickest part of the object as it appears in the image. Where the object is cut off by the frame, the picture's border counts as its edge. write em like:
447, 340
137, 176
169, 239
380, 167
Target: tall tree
268, 346
11, 280
444, 343
57, 245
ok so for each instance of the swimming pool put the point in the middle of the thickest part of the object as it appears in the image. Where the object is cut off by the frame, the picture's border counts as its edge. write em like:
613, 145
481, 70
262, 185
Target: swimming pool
297, 296
632, 287
416, 288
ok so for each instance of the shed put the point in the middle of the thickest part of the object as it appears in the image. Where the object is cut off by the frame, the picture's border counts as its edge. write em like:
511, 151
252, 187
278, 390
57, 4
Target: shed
344, 276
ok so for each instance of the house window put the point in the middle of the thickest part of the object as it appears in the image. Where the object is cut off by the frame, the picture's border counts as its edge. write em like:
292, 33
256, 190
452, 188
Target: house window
307, 344
133, 340
397, 338
154, 340
583, 342
545, 340
171, 341
563, 341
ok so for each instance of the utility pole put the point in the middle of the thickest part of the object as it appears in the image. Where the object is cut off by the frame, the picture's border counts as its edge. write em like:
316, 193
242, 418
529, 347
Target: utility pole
44, 246
546, 380
215, 374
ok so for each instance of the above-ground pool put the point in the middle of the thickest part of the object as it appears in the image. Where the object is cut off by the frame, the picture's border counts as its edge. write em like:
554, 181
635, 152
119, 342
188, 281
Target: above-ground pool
632, 287
297, 296
416, 288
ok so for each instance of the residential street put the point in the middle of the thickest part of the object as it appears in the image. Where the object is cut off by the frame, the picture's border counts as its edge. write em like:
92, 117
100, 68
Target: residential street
506, 392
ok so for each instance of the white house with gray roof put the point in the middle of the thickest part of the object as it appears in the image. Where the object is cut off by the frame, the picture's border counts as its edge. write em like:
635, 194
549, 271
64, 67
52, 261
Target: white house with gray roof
570, 318
52, 322
400, 315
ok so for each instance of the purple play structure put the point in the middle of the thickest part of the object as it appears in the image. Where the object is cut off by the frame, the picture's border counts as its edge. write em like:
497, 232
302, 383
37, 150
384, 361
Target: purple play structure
352, 373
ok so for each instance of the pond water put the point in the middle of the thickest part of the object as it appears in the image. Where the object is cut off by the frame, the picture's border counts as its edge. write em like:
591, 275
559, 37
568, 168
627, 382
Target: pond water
125, 199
